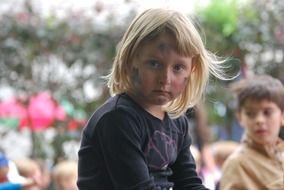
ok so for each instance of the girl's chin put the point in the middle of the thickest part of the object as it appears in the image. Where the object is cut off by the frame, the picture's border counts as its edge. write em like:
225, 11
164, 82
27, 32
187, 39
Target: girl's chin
161, 101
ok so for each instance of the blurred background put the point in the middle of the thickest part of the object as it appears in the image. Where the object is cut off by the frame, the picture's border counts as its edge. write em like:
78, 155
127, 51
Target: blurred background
53, 54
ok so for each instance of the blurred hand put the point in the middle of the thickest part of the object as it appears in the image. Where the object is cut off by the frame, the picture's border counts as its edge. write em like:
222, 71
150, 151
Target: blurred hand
28, 183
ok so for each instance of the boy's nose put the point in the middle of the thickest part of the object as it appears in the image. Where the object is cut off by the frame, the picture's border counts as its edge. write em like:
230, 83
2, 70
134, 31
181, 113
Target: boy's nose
260, 118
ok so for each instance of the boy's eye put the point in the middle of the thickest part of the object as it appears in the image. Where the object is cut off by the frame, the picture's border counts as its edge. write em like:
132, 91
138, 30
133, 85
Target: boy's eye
268, 112
250, 114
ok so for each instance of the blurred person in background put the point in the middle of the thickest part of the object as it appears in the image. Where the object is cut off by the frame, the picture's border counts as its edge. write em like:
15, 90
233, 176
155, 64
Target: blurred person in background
258, 163
197, 157
64, 175
46, 183
30, 168
4, 168
221, 150
200, 133
7, 182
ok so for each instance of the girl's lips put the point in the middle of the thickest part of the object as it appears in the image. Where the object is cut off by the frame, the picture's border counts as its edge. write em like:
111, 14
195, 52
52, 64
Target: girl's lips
161, 91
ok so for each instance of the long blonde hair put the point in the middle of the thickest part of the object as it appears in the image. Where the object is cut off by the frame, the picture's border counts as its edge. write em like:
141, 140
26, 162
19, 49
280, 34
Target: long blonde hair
152, 23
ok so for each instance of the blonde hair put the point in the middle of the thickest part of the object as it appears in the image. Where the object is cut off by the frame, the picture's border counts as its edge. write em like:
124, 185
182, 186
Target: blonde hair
64, 175
150, 24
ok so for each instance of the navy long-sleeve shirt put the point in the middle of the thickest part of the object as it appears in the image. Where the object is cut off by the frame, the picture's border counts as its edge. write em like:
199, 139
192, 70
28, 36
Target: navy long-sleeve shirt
125, 147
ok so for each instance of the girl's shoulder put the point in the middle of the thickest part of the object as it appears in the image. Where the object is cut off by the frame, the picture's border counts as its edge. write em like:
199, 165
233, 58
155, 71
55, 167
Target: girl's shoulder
116, 105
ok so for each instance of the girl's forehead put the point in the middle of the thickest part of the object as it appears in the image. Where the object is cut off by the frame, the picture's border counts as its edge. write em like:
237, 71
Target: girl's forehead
166, 41
165, 47
163, 43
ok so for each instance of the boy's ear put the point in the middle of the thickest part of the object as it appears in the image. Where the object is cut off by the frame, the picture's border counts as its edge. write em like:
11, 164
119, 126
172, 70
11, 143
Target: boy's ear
239, 118
282, 120
237, 114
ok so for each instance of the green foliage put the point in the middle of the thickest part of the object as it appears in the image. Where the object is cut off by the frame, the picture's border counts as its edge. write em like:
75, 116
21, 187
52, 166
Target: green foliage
262, 36
222, 16
251, 33
219, 21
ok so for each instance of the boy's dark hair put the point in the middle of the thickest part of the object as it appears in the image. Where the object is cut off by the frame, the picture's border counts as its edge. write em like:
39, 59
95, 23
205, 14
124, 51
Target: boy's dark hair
259, 87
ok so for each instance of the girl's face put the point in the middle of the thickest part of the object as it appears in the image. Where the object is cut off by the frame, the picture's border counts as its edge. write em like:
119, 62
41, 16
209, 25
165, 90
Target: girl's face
262, 120
159, 74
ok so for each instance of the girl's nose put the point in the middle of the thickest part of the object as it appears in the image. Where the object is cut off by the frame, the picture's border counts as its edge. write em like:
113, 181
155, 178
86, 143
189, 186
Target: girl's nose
165, 76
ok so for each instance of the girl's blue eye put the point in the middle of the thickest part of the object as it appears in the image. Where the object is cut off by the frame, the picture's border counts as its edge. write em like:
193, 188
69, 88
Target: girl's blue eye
154, 64
178, 68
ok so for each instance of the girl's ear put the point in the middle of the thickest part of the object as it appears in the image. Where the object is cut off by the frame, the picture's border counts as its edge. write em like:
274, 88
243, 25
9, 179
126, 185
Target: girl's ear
194, 63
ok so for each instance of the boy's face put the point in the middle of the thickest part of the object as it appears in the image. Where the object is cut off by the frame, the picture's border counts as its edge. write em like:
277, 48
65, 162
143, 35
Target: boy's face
160, 74
262, 120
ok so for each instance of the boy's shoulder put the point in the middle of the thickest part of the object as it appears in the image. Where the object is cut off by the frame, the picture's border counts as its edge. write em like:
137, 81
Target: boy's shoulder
248, 156
242, 155
244, 158
280, 150
280, 144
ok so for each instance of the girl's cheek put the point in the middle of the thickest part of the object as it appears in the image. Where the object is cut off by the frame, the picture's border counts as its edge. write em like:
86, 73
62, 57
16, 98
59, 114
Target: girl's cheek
135, 77
179, 86
185, 80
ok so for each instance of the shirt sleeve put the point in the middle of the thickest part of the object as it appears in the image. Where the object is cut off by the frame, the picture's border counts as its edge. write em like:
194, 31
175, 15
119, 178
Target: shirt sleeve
235, 176
184, 169
121, 144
